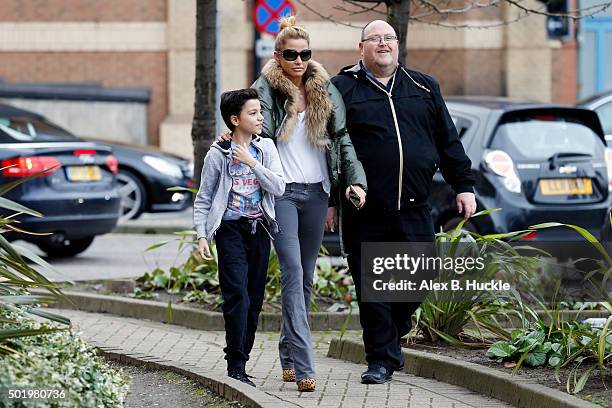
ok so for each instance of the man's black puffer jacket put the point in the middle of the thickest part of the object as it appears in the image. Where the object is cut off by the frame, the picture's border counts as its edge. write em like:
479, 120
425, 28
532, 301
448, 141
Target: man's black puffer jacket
399, 176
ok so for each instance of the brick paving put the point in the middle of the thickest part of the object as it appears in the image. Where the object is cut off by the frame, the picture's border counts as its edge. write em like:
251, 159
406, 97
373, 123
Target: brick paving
337, 381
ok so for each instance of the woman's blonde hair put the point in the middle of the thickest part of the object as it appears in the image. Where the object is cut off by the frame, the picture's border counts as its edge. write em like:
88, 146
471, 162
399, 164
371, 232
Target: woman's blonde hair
290, 31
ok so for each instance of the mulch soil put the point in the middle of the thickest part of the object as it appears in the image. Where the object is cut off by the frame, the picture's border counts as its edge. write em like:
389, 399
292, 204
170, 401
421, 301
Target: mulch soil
594, 391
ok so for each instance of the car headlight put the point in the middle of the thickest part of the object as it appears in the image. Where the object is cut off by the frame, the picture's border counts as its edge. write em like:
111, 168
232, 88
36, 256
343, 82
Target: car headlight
164, 166
190, 167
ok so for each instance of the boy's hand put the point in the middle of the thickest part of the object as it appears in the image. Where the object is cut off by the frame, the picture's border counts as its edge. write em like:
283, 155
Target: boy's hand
203, 249
242, 154
224, 136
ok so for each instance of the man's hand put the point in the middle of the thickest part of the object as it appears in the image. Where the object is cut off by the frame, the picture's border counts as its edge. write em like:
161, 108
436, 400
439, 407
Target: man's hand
466, 204
203, 249
359, 191
224, 136
242, 154
331, 220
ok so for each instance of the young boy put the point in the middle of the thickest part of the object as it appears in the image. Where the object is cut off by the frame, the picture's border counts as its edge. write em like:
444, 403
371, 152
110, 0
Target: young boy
235, 206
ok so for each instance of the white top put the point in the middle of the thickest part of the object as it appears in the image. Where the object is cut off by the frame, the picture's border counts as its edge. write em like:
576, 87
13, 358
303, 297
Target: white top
302, 162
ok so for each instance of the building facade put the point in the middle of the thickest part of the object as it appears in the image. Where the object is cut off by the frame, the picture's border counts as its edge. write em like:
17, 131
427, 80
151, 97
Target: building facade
595, 56
151, 43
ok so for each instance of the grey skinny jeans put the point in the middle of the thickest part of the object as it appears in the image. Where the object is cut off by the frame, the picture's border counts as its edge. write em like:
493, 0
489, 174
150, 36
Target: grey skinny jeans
300, 214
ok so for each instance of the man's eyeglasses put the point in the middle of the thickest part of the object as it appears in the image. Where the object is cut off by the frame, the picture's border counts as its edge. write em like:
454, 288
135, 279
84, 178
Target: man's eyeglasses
378, 39
291, 55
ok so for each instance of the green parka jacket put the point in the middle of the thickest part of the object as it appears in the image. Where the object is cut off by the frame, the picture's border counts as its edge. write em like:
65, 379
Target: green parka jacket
325, 121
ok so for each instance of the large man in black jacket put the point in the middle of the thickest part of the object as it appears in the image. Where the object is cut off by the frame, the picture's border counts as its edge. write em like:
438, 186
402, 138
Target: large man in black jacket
402, 133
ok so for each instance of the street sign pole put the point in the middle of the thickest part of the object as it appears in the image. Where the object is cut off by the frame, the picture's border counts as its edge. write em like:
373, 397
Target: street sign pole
256, 61
266, 14
218, 118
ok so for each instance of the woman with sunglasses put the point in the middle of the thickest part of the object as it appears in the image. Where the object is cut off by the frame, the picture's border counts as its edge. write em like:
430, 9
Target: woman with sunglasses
304, 113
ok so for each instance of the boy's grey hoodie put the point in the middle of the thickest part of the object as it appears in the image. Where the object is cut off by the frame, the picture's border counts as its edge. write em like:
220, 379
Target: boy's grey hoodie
215, 185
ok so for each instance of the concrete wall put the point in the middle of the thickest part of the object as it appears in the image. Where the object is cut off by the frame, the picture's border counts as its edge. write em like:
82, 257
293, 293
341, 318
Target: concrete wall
236, 37
112, 121
135, 43
117, 43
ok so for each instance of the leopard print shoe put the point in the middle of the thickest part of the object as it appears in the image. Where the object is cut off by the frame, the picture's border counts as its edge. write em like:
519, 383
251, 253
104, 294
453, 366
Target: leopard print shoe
289, 375
306, 385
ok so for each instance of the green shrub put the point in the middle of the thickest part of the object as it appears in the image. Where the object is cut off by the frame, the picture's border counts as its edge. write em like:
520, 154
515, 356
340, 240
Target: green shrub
35, 355
62, 361
565, 344
445, 314
559, 345
17, 276
197, 279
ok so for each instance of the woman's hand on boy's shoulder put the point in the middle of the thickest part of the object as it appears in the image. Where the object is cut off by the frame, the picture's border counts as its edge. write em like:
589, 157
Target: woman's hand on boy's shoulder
224, 136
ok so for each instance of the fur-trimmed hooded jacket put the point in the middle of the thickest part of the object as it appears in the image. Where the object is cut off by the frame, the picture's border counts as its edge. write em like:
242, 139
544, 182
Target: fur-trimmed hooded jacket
325, 120
325, 123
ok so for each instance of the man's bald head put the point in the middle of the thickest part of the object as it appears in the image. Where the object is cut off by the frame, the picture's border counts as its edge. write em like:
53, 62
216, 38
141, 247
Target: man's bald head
379, 48
372, 25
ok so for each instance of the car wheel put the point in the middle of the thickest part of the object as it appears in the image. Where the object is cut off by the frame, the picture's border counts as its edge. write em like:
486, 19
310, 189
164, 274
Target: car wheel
133, 195
453, 222
65, 248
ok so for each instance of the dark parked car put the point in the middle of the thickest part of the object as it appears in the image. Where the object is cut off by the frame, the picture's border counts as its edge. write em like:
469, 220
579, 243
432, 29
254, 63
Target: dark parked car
538, 162
77, 194
602, 104
145, 173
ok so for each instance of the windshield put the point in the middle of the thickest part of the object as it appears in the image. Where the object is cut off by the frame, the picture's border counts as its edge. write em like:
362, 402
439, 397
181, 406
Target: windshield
605, 116
534, 139
29, 130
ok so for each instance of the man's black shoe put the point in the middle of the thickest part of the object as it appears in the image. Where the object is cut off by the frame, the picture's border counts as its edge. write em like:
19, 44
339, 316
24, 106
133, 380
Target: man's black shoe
240, 376
376, 374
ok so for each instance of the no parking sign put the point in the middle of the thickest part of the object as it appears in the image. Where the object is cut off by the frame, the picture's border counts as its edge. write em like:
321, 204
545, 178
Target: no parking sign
266, 14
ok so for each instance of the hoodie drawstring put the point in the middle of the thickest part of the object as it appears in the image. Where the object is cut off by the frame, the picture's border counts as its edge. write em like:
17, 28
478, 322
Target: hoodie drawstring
259, 221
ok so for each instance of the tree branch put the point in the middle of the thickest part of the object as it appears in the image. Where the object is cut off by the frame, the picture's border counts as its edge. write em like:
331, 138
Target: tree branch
419, 19
468, 7
576, 14
435, 9
327, 18
361, 7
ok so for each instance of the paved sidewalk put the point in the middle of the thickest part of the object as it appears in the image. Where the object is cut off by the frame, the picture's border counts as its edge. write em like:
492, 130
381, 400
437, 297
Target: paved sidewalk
337, 381
166, 223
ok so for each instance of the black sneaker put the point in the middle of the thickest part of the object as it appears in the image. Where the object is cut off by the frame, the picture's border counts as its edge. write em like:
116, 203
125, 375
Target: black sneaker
240, 376
376, 374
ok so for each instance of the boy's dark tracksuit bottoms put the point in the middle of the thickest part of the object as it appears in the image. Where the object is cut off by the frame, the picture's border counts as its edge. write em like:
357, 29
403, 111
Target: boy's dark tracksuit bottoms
243, 249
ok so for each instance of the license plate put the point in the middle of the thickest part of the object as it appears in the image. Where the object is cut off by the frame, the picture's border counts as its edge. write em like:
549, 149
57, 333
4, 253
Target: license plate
84, 173
569, 186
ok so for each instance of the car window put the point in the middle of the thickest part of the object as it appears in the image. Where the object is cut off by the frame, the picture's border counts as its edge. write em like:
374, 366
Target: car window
25, 129
461, 124
540, 139
605, 117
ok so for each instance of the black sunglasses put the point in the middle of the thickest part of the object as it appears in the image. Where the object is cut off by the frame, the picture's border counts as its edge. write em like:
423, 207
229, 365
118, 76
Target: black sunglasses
291, 55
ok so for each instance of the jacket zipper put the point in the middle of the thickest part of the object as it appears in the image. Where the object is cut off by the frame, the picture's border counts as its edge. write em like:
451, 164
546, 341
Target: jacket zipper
212, 235
282, 121
399, 139
338, 160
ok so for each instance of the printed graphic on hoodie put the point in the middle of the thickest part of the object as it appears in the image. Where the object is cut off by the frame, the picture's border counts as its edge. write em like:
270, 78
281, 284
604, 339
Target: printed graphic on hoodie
245, 195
